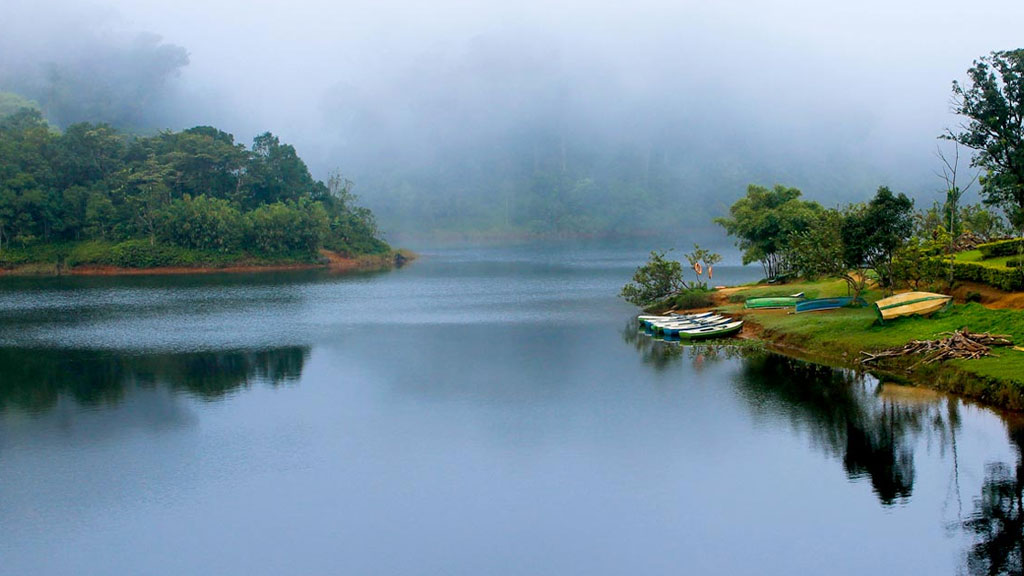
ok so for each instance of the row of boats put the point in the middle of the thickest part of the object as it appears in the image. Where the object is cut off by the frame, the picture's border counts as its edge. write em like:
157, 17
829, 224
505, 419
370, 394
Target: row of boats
905, 304
702, 326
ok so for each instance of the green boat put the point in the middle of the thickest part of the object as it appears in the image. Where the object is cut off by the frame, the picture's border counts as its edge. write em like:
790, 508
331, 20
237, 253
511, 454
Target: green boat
776, 302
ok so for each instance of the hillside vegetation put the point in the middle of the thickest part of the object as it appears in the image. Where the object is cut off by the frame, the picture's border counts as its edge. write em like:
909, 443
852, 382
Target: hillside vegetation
93, 195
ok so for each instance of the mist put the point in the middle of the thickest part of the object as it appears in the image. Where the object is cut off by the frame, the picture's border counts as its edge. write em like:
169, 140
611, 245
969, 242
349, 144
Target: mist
582, 118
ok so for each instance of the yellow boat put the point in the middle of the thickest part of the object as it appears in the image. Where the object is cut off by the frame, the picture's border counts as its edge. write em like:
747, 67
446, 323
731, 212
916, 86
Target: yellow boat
910, 303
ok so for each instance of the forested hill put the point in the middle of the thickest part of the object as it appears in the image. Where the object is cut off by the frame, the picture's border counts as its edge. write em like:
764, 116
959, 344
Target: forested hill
196, 194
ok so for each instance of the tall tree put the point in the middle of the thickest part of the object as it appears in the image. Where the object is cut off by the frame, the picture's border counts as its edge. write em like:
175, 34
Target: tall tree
274, 173
992, 103
878, 231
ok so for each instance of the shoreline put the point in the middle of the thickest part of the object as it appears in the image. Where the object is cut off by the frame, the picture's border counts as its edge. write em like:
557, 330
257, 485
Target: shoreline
963, 378
332, 262
939, 377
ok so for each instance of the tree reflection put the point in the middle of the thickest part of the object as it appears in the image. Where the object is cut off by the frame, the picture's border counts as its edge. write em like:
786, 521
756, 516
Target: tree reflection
34, 380
997, 523
844, 414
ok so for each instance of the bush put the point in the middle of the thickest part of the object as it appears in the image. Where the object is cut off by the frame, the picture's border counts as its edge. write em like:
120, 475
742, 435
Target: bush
972, 297
1010, 279
1014, 263
141, 254
280, 228
690, 299
654, 281
1002, 248
203, 223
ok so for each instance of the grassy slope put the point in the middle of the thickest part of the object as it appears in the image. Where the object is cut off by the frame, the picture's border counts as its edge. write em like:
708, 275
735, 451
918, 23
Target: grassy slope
843, 334
976, 257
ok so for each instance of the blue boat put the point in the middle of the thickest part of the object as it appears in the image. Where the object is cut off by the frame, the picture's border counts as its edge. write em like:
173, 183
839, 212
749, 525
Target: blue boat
816, 304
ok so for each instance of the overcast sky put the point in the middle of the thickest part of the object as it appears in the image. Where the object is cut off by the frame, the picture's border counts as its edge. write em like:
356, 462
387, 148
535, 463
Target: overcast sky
870, 78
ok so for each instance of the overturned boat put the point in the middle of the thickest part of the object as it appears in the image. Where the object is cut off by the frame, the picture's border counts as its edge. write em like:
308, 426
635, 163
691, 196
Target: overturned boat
910, 303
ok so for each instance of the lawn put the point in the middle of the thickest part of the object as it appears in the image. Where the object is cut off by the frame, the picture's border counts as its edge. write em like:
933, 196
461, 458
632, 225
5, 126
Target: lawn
843, 334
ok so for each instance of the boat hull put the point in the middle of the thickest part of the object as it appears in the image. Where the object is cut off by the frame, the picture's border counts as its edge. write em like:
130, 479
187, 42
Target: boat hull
674, 327
707, 333
909, 304
818, 304
646, 321
779, 302
676, 331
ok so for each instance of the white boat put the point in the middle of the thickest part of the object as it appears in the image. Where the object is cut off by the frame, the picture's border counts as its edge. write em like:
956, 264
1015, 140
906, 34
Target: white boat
646, 320
676, 329
716, 319
717, 331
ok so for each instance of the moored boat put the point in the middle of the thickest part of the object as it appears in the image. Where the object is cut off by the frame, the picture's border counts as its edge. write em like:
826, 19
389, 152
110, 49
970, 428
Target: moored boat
773, 302
910, 303
672, 330
816, 304
646, 320
707, 332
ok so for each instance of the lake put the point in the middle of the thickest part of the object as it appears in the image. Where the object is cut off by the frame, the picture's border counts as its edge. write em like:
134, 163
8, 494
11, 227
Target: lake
481, 411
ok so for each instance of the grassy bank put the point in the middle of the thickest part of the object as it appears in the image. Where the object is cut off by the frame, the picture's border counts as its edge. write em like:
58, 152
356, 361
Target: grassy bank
839, 336
134, 256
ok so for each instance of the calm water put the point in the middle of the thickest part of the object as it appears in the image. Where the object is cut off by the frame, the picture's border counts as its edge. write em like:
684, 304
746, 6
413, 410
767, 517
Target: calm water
479, 412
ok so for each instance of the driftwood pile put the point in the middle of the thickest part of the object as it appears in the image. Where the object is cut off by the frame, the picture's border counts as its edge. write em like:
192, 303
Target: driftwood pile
959, 344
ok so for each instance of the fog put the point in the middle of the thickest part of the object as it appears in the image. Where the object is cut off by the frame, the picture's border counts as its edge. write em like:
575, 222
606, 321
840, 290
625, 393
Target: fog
474, 117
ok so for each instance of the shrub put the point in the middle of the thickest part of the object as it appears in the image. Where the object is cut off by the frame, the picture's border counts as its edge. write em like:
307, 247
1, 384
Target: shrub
656, 280
973, 297
287, 227
691, 299
141, 254
203, 223
1009, 279
1002, 248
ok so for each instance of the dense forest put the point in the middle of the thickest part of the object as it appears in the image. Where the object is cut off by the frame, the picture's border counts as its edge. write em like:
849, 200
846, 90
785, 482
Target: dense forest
188, 197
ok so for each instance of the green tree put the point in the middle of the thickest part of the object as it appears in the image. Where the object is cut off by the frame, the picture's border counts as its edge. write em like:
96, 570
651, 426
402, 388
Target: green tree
204, 223
656, 280
824, 249
876, 232
764, 219
274, 173
352, 228
286, 227
11, 103
919, 263
992, 102
987, 224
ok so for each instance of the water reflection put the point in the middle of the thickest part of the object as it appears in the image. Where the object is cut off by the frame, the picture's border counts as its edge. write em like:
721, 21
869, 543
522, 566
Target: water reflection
873, 430
654, 352
845, 414
35, 379
997, 523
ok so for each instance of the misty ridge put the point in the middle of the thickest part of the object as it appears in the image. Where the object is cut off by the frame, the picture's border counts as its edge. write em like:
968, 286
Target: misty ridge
474, 120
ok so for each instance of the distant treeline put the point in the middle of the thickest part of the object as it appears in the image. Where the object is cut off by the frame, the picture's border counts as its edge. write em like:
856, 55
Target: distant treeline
196, 190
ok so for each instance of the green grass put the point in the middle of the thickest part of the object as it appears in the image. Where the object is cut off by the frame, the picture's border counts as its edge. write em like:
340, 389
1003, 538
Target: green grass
976, 257
817, 289
842, 334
